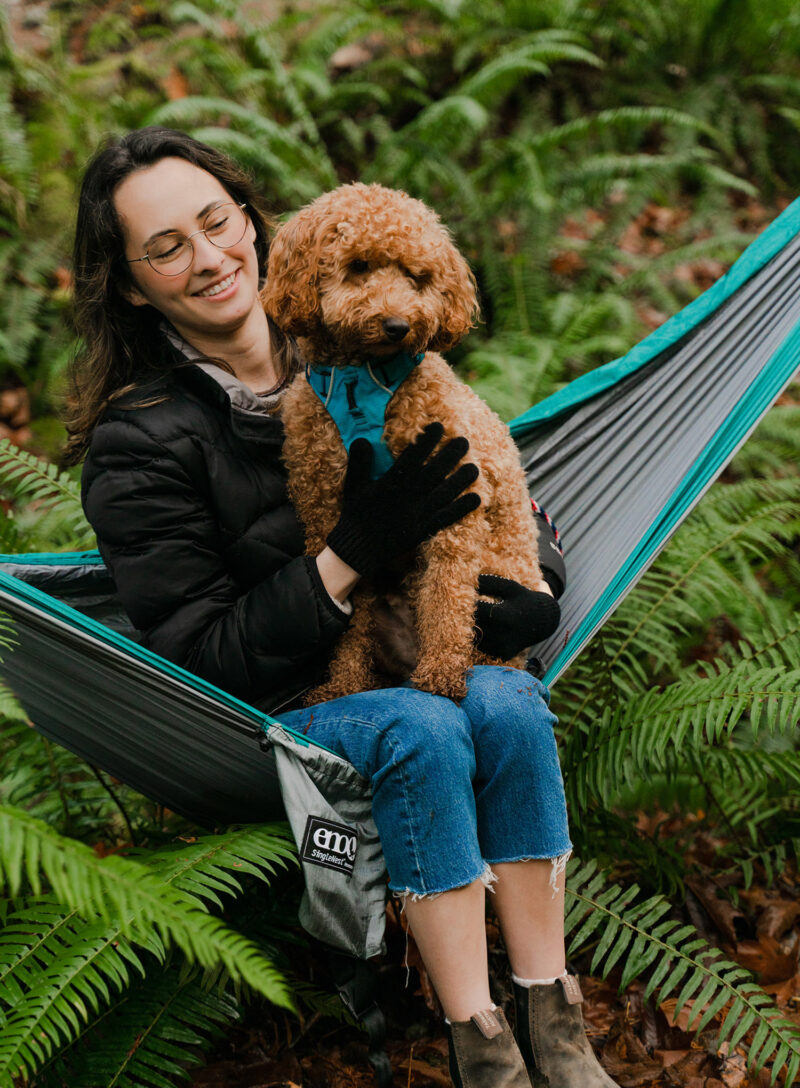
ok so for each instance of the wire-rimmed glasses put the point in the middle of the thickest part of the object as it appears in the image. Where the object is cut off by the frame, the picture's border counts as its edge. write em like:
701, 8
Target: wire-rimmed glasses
172, 253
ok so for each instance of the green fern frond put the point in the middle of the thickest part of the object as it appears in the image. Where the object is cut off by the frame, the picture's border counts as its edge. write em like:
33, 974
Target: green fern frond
183, 11
624, 118
47, 492
637, 935
648, 730
750, 519
59, 966
56, 970
211, 863
127, 892
10, 708
147, 1036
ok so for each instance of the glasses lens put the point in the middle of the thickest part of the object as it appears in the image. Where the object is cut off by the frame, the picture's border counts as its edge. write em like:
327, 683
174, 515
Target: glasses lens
225, 225
171, 254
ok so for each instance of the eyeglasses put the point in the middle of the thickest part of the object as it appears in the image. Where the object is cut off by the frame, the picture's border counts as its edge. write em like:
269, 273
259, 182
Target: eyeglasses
173, 253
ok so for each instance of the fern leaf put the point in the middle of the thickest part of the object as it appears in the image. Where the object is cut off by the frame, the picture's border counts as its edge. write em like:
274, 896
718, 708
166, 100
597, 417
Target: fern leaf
124, 890
147, 1037
700, 970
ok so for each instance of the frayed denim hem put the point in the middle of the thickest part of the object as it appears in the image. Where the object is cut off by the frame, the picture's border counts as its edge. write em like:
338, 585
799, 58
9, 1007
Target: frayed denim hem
557, 867
487, 877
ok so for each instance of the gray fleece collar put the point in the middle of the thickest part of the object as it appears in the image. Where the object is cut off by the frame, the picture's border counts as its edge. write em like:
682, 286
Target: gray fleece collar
240, 395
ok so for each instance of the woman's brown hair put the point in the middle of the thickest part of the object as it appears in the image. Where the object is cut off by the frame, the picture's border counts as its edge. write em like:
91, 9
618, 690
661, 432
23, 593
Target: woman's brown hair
120, 345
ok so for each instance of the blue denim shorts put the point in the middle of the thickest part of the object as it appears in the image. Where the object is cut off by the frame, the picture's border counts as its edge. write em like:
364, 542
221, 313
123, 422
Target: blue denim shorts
455, 787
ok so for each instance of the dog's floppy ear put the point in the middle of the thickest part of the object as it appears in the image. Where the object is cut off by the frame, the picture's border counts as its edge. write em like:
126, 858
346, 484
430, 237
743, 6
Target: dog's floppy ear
291, 295
455, 282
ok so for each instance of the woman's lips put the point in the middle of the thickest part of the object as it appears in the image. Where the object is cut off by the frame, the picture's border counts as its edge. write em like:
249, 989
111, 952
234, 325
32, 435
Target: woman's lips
226, 292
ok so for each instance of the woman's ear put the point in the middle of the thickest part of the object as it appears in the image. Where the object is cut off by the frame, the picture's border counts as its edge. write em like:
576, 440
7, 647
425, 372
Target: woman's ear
131, 293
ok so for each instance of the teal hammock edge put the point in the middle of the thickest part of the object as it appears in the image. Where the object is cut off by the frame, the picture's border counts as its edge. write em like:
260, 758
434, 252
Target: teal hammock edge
743, 418
43, 602
55, 559
758, 253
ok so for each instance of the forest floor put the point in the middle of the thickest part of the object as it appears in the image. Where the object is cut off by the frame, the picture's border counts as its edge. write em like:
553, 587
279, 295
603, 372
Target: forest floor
641, 1043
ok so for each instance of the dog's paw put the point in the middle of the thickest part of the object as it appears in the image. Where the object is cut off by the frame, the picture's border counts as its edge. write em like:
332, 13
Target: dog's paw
439, 682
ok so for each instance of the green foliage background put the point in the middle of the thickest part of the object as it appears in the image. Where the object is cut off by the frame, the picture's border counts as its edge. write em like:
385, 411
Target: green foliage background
541, 133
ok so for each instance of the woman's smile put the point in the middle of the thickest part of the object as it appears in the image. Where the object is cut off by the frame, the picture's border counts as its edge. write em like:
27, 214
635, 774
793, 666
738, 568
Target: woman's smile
220, 289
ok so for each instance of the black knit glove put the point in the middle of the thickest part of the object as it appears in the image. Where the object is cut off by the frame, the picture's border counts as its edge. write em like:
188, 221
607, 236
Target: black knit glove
383, 518
519, 618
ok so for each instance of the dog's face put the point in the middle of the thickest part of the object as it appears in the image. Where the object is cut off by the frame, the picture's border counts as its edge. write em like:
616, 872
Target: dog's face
365, 271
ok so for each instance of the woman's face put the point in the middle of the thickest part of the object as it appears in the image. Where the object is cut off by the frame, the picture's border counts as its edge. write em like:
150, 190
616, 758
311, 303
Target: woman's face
175, 195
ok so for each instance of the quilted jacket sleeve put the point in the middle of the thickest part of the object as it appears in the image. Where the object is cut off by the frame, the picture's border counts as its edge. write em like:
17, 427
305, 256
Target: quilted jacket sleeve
162, 546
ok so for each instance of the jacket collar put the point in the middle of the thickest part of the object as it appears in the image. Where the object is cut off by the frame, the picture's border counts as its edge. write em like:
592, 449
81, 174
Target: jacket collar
252, 426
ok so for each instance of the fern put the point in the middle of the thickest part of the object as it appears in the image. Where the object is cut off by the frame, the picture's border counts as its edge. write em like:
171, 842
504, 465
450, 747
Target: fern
125, 890
145, 1039
53, 504
636, 935
60, 962
648, 730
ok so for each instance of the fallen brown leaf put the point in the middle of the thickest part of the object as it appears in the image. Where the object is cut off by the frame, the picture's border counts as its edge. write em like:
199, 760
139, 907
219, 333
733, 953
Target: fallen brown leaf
768, 959
722, 912
784, 992
681, 1019
734, 1071
438, 1076
669, 1057
777, 917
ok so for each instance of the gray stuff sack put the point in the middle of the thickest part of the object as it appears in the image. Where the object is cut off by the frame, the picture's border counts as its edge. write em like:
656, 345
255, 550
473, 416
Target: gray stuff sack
329, 808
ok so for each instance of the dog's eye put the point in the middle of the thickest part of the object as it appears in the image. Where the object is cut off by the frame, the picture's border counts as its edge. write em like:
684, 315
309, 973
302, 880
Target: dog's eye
359, 266
419, 279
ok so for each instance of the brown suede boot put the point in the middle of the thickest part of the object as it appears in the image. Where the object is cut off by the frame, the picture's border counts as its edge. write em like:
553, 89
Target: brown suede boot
552, 1039
483, 1053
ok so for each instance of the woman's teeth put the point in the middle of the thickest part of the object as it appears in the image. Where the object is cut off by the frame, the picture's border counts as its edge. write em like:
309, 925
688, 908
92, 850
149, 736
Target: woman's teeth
215, 290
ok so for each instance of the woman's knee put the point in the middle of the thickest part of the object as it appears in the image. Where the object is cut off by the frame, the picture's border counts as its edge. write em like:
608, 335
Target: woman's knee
509, 708
429, 736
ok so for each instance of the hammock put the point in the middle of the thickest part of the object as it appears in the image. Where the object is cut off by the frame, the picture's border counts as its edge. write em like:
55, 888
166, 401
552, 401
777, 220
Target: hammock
618, 457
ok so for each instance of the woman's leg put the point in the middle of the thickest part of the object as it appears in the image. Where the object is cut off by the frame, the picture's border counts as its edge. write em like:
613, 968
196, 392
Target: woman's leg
416, 750
531, 918
521, 814
522, 829
450, 931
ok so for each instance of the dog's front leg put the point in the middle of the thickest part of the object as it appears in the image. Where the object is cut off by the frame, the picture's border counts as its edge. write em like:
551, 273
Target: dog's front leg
351, 667
444, 600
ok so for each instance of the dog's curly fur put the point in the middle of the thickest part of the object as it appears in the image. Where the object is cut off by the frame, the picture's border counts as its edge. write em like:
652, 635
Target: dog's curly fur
318, 290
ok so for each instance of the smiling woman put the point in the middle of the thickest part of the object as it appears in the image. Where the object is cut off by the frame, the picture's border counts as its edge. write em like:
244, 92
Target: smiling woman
211, 298
152, 184
177, 393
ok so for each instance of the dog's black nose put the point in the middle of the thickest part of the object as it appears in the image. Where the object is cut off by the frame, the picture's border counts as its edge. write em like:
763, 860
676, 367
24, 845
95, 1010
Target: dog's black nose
395, 327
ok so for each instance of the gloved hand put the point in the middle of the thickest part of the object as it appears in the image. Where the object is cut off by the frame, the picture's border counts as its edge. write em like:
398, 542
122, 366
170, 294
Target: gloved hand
520, 617
383, 518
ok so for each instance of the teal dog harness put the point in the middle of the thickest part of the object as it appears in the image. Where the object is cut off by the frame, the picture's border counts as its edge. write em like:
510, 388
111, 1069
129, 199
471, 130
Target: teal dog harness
356, 398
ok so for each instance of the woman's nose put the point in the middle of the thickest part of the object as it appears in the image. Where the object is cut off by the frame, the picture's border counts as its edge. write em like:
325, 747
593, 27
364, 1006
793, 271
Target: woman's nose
206, 254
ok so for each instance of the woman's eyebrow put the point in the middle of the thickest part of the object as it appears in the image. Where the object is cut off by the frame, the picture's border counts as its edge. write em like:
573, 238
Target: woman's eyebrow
171, 230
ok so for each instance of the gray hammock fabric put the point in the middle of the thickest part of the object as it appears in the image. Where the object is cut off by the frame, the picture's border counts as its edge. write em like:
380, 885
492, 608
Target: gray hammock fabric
618, 458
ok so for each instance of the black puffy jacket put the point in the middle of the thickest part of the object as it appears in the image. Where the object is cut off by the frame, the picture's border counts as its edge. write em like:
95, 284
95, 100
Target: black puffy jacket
187, 495
188, 499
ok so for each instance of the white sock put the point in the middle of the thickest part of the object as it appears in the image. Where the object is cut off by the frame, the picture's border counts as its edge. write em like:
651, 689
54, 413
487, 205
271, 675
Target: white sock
528, 982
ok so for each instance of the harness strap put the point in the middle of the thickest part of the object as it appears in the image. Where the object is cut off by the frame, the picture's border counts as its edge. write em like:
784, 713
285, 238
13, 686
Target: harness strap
356, 398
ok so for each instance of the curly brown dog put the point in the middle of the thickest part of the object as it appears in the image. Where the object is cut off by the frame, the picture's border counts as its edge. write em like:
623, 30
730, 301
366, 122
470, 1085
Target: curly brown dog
358, 275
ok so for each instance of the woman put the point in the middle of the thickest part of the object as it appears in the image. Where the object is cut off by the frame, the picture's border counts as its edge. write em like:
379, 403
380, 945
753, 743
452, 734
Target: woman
176, 402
